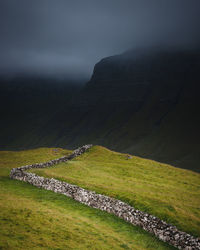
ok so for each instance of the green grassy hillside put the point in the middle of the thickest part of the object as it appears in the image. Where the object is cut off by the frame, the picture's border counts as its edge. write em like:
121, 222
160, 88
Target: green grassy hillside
170, 193
33, 218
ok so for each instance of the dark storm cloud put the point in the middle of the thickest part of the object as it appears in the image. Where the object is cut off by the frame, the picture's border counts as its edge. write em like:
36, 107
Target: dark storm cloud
67, 37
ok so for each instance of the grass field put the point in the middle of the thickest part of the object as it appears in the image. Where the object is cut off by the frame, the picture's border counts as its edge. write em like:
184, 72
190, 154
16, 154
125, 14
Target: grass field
33, 218
170, 193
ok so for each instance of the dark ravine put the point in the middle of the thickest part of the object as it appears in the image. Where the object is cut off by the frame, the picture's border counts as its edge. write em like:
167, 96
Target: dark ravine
165, 232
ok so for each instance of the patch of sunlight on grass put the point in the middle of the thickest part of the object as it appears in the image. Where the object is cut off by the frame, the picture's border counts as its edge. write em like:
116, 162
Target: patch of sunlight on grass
33, 218
170, 193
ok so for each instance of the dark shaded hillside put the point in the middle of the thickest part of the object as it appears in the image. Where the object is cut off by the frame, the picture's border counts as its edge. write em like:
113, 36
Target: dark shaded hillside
28, 106
145, 103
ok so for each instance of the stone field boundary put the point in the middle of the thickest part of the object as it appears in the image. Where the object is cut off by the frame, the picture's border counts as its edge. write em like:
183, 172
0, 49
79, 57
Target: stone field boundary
165, 232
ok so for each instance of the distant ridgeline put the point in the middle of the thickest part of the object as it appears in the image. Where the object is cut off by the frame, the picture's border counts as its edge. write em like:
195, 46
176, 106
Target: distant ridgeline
149, 223
142, 102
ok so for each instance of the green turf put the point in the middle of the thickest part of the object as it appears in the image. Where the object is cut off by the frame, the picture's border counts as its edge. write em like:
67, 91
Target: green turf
170, 193
33, 218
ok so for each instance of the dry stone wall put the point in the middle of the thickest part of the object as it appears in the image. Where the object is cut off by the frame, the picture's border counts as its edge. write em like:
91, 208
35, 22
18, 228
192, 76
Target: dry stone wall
165, 232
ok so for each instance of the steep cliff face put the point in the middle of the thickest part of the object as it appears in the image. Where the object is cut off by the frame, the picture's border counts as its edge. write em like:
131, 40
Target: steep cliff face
145, 103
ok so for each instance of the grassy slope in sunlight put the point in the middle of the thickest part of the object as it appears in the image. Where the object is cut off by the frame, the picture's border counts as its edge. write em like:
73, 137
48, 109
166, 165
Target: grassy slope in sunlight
170, 193
33, 218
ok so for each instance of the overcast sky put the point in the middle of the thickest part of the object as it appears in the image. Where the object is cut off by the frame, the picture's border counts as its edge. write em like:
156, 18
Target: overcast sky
67, 37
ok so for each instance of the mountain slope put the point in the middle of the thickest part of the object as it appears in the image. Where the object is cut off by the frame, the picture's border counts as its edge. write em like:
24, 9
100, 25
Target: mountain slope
146, 105
140, 102
28, 105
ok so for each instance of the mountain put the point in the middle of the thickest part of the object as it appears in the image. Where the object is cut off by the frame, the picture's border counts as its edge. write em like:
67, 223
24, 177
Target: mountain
28, 104
147, 105
140, 102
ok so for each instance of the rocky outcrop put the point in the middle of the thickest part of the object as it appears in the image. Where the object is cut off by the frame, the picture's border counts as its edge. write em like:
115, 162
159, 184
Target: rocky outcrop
149, 223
